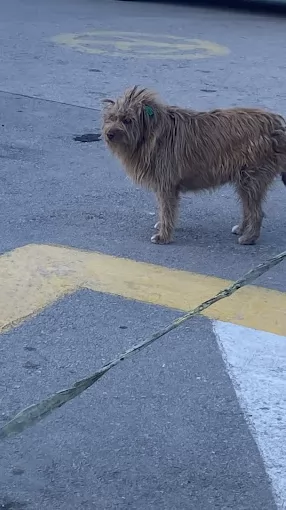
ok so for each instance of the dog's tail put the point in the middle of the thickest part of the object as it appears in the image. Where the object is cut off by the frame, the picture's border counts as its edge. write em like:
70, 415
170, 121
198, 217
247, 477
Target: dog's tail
279, 146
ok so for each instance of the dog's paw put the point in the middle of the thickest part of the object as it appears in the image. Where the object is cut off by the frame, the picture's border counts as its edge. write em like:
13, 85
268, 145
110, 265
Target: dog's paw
158, 239
246, 240
236, 230
157, 225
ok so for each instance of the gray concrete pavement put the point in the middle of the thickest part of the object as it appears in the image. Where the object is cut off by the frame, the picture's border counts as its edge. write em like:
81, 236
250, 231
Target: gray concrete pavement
252, 74
165, 430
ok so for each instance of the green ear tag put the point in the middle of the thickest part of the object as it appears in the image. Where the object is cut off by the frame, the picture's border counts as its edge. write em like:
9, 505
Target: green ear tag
149, 110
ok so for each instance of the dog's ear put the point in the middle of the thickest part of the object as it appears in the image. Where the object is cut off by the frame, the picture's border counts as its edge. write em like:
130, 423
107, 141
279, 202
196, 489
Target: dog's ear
133, 92
108, 102
148, 110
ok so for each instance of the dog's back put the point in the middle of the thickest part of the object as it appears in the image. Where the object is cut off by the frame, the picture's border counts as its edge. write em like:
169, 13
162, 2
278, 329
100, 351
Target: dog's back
215, 147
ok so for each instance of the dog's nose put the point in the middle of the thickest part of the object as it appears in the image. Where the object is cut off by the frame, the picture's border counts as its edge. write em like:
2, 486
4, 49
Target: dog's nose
110, 135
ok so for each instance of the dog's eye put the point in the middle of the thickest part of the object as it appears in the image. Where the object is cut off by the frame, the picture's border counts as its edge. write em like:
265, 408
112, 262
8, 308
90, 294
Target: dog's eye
126, 121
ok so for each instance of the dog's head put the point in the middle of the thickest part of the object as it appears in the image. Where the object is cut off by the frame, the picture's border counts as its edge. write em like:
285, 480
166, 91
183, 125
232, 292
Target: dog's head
129, 120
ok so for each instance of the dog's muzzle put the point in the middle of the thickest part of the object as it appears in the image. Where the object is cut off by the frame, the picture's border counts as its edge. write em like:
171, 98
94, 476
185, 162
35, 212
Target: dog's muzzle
112, 135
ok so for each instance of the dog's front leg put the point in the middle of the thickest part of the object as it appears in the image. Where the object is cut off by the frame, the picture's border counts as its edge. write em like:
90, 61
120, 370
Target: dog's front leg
168, 206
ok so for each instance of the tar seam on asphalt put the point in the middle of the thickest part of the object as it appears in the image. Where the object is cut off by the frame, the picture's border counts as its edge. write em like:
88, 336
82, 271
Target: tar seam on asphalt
88, 138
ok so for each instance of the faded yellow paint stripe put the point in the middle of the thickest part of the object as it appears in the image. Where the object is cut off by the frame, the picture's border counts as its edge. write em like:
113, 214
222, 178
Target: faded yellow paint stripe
142, 45
35, 276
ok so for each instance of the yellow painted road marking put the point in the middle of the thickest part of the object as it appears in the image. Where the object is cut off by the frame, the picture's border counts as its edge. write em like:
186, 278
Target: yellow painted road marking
35, 276
128, 44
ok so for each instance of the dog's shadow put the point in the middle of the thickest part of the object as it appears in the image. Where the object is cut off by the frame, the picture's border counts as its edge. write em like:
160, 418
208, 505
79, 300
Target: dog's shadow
215, 234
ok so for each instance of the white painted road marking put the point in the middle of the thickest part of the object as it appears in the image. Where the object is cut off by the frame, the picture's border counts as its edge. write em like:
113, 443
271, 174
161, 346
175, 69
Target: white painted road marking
256, 361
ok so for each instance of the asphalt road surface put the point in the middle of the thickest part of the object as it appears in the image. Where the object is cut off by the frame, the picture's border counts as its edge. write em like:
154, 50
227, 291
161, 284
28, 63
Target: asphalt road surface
196, 421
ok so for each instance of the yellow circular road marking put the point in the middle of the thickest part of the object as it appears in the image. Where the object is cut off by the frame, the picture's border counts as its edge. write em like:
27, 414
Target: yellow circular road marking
132, 44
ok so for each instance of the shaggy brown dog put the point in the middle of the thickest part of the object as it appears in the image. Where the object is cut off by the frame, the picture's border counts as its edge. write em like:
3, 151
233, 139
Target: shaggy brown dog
172, 150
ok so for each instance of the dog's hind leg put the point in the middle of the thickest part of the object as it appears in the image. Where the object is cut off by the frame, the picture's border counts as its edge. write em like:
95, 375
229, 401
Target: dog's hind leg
239, 229
252, 192
168, 206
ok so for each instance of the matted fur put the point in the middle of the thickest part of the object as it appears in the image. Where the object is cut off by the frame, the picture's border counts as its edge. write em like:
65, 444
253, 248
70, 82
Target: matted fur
172, 150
